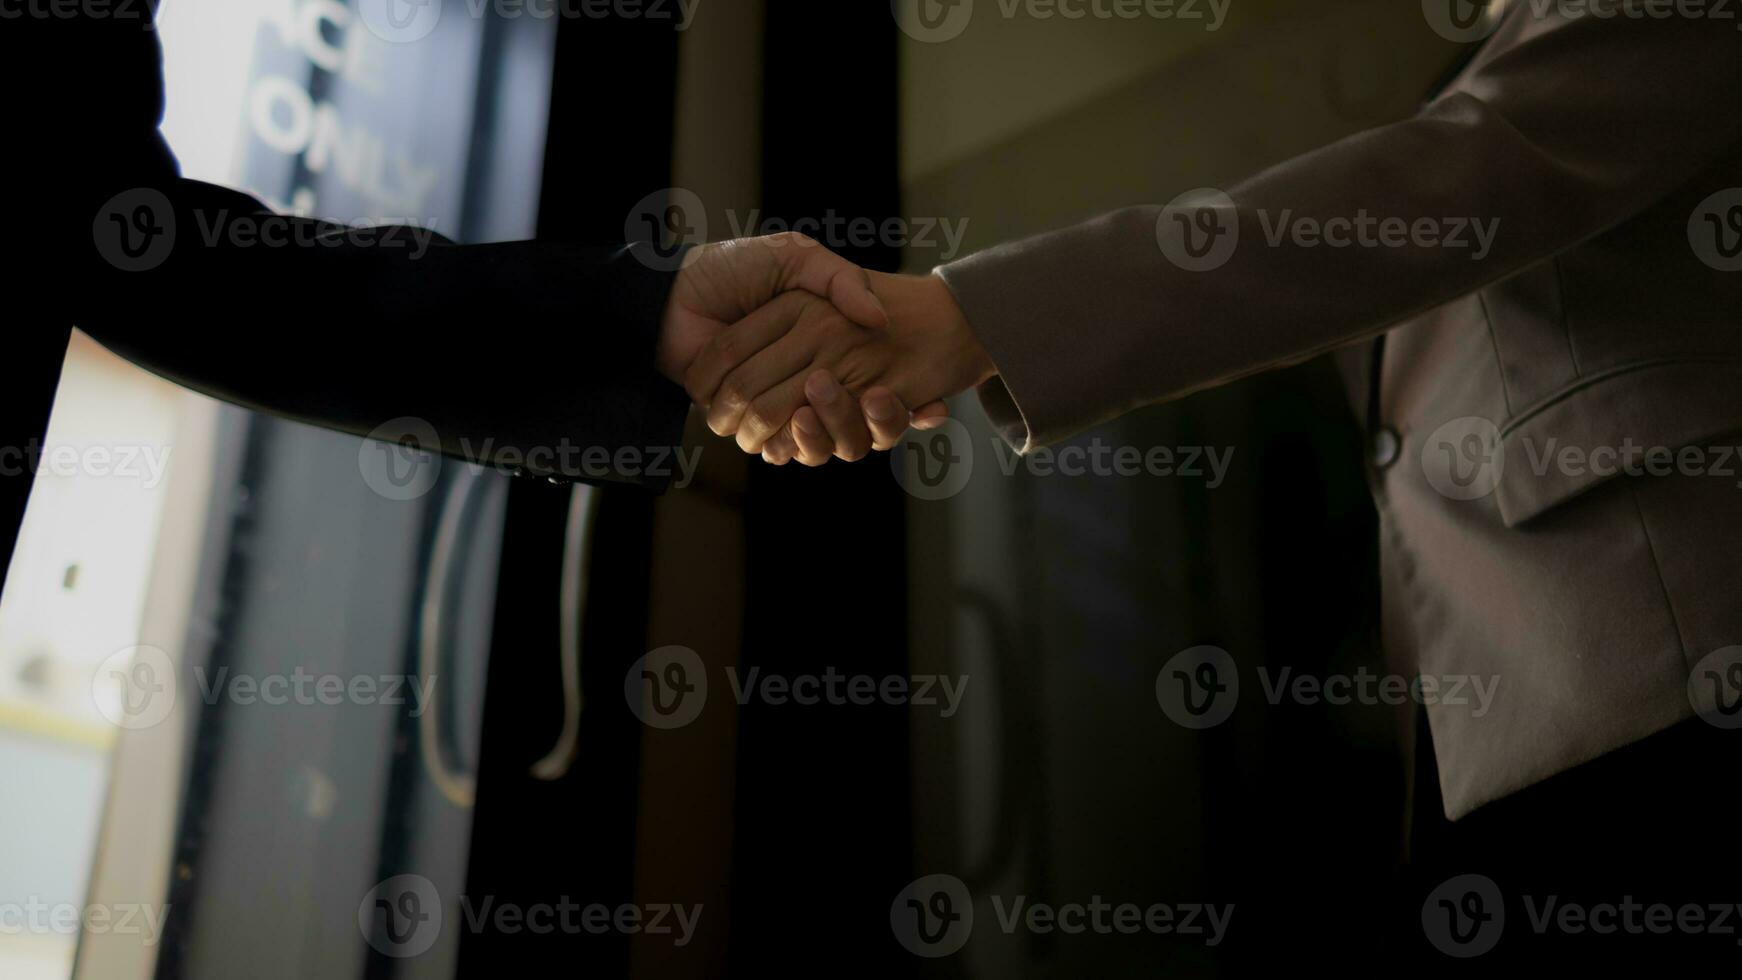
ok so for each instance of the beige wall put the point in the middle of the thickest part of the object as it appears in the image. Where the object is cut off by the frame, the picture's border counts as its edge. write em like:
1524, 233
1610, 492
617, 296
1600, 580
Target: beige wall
1020, 125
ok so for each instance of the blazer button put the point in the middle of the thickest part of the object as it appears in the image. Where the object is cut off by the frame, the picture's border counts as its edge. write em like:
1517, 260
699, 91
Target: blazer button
1387, 446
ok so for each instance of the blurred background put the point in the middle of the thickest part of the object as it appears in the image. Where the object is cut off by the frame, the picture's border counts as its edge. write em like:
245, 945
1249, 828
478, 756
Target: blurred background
237, 545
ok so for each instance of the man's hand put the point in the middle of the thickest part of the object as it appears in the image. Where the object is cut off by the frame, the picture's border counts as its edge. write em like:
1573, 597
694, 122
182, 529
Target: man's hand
722, 283
752, 378
834, 425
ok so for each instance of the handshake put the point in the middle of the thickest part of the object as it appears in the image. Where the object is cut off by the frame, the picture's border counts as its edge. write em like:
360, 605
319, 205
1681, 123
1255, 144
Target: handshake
803, 355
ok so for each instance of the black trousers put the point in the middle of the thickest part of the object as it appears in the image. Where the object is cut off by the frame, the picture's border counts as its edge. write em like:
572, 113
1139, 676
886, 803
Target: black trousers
1632, 860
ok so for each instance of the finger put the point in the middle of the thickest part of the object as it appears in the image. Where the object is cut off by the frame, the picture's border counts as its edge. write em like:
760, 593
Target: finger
787, 359
705, 379
806, 264
769, 412
931, 416
886, 415
784, 447
840, 415
812, 438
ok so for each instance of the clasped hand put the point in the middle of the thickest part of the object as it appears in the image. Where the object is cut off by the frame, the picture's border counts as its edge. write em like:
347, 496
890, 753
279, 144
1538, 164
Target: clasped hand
800, 354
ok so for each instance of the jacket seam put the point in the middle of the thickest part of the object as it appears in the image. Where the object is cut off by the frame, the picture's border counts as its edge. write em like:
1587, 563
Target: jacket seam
1560, 285
1614, 372
1494, 345
1657, 569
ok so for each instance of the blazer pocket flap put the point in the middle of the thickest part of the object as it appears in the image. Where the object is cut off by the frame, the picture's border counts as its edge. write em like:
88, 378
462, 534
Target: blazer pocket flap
1651, 419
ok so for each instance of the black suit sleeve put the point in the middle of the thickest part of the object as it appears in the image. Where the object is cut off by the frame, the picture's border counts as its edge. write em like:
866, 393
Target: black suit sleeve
529, 356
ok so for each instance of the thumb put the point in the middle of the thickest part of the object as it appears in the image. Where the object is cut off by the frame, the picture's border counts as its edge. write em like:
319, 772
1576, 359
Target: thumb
850, 291
810, 266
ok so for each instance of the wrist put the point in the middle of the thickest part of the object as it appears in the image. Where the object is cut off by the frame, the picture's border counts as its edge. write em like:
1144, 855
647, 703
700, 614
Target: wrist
925, 306
672, 351
682, 332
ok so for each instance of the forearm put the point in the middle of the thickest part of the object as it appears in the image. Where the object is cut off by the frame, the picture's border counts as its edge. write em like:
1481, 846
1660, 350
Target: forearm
1514, 165
516, 354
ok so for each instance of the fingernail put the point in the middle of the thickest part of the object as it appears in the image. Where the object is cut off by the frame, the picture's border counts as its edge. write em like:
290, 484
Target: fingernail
882, 407
820, 387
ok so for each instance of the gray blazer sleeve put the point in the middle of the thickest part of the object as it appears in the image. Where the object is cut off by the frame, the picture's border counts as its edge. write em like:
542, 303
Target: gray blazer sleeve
1559, 129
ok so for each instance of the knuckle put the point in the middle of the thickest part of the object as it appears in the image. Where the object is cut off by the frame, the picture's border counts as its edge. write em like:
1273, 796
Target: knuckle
755, 420
732, 393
